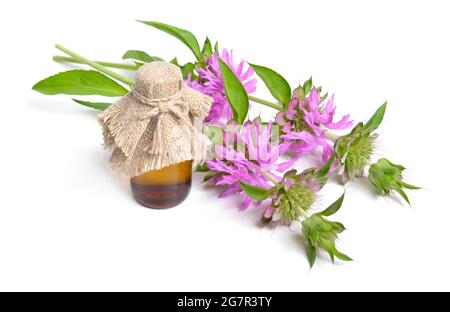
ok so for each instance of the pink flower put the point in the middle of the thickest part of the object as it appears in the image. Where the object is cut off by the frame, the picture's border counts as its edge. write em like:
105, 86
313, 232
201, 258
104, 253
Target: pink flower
306, 124
210, 82
247, 155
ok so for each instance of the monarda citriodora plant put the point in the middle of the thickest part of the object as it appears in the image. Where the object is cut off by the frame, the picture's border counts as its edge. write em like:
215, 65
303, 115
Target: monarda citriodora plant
256, 159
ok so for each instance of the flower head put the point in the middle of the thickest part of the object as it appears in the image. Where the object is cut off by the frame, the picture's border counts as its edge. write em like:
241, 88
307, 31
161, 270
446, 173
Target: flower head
210, 82
295, 194
353, 152
306, 122
320, 233
386, 177
294, 201
248, 155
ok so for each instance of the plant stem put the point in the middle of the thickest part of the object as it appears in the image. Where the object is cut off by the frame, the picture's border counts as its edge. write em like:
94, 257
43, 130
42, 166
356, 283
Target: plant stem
95, 65
65, 59
266, 103
270, 177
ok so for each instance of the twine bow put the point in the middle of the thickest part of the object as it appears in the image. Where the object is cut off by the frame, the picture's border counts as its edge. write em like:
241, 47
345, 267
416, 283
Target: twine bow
167, 105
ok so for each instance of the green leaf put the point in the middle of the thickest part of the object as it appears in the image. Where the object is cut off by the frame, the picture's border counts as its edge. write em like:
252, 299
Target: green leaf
307, 86
323, 97
331, 254
96, 105
208, 177
403, 194
290, 174
322, 180
183, 35
277, 85
311, 253
207, 48
157, 58
338, 227
187, 69
376, 119
235, 92
80, 82
322, 172
342, 256
137, 55
409, 186
334, 207
256, 192
202, 168
216, 46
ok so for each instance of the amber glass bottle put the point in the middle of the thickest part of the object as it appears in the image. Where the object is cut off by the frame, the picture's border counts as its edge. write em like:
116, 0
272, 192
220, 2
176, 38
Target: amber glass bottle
164, 188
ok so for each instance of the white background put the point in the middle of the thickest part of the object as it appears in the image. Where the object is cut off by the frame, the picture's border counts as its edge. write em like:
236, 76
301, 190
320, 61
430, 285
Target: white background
67, 223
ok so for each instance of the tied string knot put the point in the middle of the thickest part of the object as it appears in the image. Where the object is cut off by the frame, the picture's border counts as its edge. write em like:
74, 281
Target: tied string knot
169, 104
159, 107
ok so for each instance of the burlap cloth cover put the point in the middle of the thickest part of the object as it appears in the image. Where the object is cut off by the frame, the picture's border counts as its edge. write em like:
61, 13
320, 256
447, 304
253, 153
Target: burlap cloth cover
153, 125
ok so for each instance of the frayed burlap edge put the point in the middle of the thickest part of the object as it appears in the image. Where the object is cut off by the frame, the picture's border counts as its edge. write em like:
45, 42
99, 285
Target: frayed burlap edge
131, 137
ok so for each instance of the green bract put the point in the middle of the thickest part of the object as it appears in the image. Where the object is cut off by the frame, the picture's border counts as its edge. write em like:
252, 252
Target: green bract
303, 90
297, 192
307, 86
353, 152
256, 192
320, 233
296, 200
386, 177
207, 49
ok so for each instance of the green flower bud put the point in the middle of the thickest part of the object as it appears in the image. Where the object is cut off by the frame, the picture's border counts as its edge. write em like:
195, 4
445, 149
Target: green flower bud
353, 152
386, 177
320, 233
299, 93
296, 200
